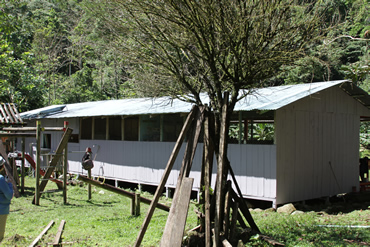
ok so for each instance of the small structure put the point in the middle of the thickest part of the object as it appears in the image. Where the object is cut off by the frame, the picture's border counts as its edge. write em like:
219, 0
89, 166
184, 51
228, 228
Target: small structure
290, 143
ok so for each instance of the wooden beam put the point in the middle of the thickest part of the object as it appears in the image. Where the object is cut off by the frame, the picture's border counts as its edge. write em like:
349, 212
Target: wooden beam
17, 135
165, 175
119, 191
42, 234
174, 230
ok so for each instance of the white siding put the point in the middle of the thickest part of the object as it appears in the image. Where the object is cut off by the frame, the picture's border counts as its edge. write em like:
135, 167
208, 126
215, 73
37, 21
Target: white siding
317, 146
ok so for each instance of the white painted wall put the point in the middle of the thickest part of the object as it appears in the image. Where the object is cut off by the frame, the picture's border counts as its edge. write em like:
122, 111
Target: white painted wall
317, 142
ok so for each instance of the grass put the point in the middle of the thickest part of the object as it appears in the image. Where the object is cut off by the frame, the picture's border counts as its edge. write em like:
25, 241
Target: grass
105, 220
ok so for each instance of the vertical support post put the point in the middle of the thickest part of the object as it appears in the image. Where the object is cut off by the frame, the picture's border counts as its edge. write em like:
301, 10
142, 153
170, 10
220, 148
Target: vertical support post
137, 202
89, 185
227, 210
65, 168
22, 166
38, 161
133, 206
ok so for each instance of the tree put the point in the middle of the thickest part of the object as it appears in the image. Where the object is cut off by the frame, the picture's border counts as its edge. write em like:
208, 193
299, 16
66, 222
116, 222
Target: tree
19, 81
184, 48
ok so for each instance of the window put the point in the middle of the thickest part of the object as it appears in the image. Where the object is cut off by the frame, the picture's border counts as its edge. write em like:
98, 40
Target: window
86, 128
172, 125
131, 130
100, 128
46, 141
115, 130
150, 128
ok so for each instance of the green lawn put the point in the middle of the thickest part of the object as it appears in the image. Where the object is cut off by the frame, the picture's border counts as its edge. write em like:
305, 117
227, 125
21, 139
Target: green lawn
106, 221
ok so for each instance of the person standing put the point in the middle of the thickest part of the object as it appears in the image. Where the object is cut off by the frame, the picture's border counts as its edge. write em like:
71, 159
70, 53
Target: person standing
6, 195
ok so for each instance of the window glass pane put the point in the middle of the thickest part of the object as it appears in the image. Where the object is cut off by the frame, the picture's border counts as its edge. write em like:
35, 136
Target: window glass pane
150, 128
172, 125
131, 129
86, 128
115, 128
100, 128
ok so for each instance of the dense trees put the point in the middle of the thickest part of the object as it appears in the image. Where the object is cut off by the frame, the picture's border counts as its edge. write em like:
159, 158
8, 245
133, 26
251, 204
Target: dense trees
55, 51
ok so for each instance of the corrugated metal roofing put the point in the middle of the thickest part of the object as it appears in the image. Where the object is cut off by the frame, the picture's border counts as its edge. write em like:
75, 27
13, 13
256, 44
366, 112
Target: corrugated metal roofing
271, 98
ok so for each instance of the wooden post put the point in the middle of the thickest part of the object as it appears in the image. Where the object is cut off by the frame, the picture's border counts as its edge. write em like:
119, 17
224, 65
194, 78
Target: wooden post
52, 164
164, 178
133, 206
137, 200
221, 175
227, 210
38, 162
89, 185
120, 191
65, 168
234, 217
22, 166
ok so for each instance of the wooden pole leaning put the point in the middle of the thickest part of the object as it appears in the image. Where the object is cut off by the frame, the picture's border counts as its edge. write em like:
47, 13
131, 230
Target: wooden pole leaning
165, 175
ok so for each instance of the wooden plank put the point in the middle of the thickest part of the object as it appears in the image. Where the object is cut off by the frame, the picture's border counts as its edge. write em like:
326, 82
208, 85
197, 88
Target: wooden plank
19, 128
8, 113
54, 161
17, 135
175, 225
58, 236
11, 107
164, 178
4, 116
17, 114
189, 153
42, 234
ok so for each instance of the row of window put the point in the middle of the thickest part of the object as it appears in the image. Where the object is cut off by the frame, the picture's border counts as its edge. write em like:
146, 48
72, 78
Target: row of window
137, 128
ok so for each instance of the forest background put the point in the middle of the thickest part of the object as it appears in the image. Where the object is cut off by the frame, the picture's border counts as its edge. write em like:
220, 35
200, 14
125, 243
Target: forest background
59, 52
